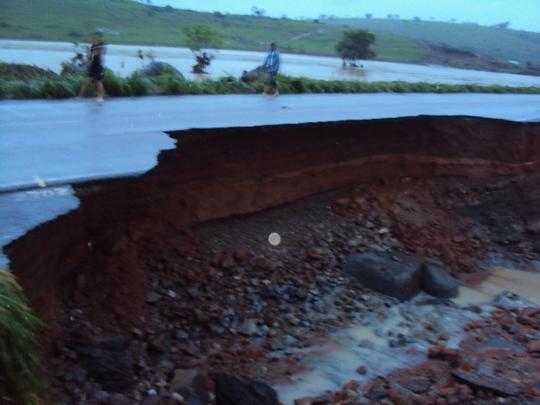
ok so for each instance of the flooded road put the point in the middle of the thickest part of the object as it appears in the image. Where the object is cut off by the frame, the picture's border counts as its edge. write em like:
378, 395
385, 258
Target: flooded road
123, 60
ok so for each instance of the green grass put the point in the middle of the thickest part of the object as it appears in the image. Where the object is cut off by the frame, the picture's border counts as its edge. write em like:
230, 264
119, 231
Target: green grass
21, 379
42, 87
130, 22
501, 44
135, 23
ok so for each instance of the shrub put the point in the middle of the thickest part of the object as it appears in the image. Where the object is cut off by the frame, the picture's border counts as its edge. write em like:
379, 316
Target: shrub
56, 89
3, 89
138, 85
21, 378
114, 86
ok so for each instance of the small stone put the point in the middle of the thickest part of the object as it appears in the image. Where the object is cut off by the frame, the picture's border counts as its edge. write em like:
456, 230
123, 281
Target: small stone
101, 396
242, 255
152, 297
362, 370
264, 263
182, 335
534, 347
227, 261
182, 379
249, 328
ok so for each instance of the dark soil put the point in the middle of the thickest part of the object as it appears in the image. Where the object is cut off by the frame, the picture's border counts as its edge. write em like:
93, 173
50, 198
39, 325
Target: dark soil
175, 270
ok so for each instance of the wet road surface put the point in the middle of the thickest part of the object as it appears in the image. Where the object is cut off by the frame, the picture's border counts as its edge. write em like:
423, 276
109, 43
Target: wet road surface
59, 143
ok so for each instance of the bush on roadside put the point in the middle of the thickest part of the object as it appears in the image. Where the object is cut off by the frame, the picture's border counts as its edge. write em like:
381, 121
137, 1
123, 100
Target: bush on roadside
21, 378
138, 85
69, 85
115, 86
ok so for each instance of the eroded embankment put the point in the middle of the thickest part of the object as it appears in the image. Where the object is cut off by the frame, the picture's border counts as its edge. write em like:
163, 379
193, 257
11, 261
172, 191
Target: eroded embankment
90, 255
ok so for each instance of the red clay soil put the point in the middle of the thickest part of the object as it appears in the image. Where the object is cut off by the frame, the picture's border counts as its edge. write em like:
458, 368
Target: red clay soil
89, 256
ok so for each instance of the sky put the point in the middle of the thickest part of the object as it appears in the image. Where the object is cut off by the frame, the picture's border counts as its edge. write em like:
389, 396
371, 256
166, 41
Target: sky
522, 14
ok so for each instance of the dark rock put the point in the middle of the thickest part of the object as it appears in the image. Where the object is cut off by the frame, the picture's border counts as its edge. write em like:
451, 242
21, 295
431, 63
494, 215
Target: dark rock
234, 391
182, 380
109, 362
152, 297
490, 382
249, 327
254, 75
156, 68
362, 370
437, 282
395, 274
417, 385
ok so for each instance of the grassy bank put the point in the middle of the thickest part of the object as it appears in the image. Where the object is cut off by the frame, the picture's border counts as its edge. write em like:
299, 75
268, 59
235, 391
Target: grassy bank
21, 380
136, 85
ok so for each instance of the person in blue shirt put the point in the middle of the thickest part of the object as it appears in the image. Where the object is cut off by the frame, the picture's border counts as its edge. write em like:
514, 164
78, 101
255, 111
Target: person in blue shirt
271, 64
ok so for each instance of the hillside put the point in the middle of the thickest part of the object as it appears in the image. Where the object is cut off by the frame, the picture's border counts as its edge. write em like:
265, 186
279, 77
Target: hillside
130, 22
501, 44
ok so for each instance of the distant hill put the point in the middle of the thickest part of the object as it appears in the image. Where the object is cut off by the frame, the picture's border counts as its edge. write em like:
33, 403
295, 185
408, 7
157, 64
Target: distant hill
500, 43
130, 22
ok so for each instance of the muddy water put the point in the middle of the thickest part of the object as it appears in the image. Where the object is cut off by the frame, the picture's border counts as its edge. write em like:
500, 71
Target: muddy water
526, 284
395, 338
123, 60
378, 346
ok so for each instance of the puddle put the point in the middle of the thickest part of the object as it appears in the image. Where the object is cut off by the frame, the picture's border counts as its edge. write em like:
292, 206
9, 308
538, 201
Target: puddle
525, 284
401, 335
22, 211
396, 338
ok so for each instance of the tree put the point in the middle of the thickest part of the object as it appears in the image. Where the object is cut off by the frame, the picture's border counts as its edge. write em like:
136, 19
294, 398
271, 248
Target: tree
369, 16
417, 19
503, 25
259, 12
199, 37
355, 45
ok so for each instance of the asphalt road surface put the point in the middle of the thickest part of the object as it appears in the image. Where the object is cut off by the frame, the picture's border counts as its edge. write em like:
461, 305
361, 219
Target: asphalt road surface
71, 140
46, 146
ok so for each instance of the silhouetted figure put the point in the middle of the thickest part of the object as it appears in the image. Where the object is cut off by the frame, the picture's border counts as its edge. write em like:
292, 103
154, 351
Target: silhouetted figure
203, 61
271, 65
96, 68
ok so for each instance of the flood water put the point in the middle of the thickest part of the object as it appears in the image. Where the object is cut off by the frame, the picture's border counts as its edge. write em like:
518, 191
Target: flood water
524, 283
123, 60
334, 363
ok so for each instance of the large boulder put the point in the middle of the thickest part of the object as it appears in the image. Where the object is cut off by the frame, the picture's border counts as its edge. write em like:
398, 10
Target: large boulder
109, 362
437, 282
235, 391
253, 75
393, 274
156, 68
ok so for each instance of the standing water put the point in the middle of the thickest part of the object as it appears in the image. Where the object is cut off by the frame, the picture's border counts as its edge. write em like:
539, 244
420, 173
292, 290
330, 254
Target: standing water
124, 60
399, 337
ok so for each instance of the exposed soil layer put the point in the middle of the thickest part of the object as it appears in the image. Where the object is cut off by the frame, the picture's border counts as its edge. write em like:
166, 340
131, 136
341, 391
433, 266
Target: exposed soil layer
177, 262
220, 173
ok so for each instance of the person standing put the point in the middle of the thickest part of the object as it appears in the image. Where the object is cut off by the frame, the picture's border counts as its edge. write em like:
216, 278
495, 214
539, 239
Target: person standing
96, 68
271, 64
